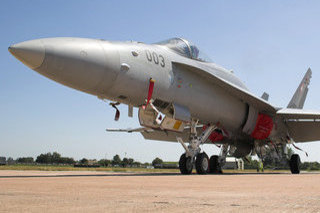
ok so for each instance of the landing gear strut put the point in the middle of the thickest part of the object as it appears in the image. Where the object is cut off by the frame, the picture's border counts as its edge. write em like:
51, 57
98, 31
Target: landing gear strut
294, 164
193, 154
280, 154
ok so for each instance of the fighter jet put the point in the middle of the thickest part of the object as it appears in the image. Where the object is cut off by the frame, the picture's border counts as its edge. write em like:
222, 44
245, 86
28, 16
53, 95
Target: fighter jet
182, 97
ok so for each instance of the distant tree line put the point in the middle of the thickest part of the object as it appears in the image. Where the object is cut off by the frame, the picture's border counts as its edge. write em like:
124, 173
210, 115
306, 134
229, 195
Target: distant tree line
116, 161
56, 158
310, 166
125, 162
25, 160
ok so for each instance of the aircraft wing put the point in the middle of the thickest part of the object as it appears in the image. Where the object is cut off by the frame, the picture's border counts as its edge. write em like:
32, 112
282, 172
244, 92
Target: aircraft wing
303, 125
244, 95
161, 135
156, 134
169, 136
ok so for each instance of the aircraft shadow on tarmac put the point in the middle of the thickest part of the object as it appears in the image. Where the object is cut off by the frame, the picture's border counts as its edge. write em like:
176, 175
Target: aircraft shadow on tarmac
139, 174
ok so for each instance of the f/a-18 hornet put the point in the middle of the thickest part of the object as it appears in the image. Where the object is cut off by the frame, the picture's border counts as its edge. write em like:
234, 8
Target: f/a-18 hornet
182, 97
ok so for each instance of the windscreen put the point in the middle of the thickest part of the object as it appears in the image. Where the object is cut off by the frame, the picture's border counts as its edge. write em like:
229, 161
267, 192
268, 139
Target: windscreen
185, 48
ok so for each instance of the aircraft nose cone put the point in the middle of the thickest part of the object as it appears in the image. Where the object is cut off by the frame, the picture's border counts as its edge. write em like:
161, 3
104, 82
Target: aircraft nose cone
31, 53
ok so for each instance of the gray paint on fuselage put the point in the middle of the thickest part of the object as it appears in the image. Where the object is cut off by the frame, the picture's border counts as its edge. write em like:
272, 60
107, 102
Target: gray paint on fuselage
83, 64
196, 92
93, 66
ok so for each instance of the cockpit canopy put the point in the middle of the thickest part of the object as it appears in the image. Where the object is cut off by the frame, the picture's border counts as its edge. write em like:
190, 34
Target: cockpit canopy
185, 48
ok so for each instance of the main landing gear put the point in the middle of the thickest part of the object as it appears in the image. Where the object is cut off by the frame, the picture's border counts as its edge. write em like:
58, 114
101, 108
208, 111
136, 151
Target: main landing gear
280, 154
215, 166
294, 164
202, 164
185, 164
194, 157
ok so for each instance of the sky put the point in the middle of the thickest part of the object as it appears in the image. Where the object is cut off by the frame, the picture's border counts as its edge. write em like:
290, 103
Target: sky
268, 44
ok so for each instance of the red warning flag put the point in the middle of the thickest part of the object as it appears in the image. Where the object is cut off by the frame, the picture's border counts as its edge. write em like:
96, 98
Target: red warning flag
150, 91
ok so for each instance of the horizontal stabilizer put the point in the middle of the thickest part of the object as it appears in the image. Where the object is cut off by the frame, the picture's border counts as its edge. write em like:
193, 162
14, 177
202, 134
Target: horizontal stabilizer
303, 125
298, 114
304, 131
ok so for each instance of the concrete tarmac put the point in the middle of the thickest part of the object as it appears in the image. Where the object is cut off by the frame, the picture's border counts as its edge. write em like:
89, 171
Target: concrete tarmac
41, 191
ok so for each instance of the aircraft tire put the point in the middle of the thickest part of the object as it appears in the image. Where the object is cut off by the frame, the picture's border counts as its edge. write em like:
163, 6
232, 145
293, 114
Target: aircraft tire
202, 163
294, 164
214, 165
185, 165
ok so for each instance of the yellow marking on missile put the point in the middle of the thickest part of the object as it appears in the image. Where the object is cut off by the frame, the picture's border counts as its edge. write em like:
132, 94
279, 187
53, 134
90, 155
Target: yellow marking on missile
177, 124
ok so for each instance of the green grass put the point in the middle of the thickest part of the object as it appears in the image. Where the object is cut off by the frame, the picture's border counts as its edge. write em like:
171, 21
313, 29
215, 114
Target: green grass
114, 169
71, 168
170, 162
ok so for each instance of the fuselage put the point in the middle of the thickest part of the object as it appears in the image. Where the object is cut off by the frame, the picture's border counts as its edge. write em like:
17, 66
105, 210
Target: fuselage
120, 71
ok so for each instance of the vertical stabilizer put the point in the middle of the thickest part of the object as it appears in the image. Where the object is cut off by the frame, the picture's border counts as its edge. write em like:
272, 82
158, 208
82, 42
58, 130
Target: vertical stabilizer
299, 97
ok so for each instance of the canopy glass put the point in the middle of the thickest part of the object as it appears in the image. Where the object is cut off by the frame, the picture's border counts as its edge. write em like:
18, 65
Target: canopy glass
185, 48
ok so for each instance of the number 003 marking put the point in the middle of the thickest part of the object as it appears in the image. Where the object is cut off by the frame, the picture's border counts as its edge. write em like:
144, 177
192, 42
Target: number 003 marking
155, 58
